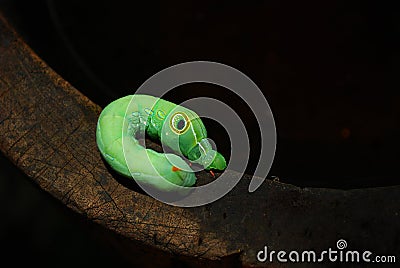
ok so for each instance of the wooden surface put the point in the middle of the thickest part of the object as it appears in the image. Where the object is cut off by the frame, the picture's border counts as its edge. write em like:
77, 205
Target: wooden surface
47, 129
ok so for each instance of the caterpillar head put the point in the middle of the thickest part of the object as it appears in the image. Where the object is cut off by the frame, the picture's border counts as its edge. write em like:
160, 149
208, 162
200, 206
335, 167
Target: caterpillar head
187, 134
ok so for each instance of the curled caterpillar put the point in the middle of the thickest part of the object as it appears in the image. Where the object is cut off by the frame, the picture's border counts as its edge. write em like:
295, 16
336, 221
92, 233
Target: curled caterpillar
175, 126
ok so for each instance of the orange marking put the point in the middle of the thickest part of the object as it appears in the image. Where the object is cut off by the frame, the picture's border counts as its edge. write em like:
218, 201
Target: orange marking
212, 173
174, 168
190, 164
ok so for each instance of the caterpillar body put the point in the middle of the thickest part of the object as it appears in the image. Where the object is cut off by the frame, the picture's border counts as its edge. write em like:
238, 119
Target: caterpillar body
179, 128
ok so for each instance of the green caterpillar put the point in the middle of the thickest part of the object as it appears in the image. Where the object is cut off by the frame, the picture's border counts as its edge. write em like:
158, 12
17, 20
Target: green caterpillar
175, 126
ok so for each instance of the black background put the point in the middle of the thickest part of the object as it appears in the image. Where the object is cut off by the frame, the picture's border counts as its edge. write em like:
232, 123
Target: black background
329, 70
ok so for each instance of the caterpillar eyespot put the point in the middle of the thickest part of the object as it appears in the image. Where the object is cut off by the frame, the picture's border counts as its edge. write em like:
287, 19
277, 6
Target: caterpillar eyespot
122, 119
179, 123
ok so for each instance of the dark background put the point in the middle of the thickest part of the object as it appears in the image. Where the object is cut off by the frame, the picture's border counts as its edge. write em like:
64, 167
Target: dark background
329, 70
